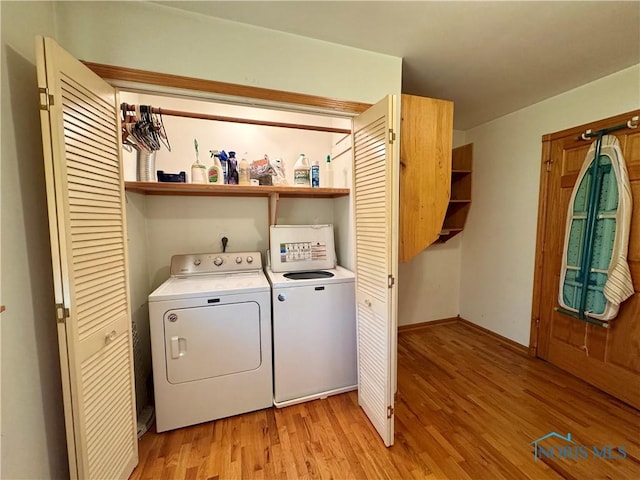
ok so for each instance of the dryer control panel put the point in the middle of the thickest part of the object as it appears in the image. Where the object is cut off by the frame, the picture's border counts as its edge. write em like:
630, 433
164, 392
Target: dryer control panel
211, 263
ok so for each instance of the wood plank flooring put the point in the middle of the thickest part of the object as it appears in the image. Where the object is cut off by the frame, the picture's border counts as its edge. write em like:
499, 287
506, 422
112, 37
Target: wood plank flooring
468, 407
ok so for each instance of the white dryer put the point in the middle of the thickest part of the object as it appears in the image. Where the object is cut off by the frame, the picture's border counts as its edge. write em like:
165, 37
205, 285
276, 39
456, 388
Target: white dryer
211, 339
314, 316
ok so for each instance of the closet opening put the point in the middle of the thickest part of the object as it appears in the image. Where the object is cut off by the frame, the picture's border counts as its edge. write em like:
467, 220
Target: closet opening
164, 223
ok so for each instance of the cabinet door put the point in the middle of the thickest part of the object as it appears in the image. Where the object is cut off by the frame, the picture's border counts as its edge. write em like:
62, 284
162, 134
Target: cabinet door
376, 238
85, 197
426, 129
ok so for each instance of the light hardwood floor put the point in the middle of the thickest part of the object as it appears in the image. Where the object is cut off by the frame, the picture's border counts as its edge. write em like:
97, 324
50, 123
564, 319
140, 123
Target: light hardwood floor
468, 407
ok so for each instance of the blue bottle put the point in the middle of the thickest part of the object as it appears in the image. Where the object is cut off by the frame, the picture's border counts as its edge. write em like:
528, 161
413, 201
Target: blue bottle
224, 160
315, 174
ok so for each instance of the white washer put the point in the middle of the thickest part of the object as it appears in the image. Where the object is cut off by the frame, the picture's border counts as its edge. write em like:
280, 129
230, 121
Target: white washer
211, 339
314, 318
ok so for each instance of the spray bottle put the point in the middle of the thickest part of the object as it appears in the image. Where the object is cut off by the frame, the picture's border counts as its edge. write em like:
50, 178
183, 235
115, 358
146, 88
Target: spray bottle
216, 174
328, 173
224, 160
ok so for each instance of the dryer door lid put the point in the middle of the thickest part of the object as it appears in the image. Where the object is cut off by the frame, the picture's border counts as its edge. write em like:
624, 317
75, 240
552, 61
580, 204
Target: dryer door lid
212, 341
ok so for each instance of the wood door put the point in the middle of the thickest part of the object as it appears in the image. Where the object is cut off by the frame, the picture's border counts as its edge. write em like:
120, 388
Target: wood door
85, 198
608, 358
376, 230
426, 129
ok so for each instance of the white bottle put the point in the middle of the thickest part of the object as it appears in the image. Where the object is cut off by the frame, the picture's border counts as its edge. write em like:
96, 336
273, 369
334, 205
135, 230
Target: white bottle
198, 173
244, 177
198, 170
301, 176
280, 177
328, 173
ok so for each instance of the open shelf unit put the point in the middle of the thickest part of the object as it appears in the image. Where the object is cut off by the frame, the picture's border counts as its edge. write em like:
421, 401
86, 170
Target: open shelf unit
272, 192
213, 190
460, 199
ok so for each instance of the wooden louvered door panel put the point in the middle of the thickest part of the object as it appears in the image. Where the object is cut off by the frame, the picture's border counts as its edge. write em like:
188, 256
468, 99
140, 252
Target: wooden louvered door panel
376, 232
85, 195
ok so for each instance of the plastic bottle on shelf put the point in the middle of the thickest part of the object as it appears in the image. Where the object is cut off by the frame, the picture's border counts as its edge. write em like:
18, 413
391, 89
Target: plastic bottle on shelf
328, 173
232, 169
198, 170
301, 172
216, 174
315, 174
224, 161
243, 172
280, 177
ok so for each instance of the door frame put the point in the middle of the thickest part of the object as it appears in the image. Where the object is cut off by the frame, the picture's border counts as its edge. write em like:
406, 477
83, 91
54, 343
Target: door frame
537, 333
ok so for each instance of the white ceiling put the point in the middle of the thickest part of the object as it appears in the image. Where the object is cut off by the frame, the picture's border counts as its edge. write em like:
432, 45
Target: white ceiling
490, 58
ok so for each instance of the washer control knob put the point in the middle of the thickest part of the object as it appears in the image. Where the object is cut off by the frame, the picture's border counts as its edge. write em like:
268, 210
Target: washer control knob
249, 259
196, 262
282, 297
217, 261
238, 260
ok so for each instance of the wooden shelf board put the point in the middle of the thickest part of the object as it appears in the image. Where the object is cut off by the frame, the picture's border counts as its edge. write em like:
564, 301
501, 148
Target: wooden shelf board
459, 201
447, 234
192, 189
447, 231
460, 172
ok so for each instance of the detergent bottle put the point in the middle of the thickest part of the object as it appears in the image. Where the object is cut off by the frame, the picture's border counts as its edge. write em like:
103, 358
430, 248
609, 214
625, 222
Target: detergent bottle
301, 177
216, 174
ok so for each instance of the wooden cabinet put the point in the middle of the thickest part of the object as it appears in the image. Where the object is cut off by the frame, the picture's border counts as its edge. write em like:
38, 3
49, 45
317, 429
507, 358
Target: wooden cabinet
460, 200
426, 129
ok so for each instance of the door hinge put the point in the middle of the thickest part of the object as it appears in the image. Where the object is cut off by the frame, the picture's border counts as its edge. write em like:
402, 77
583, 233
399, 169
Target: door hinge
392, 136
62, 313
391, 281
390, 411
534, 343
548, 162
46, 99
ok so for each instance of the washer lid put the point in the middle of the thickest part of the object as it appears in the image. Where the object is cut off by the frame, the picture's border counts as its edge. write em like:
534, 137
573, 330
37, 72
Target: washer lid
280, 279
177, 288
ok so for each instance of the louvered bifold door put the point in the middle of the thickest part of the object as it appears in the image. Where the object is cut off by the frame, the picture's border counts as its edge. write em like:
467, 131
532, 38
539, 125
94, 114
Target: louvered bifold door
85, 196
375, 205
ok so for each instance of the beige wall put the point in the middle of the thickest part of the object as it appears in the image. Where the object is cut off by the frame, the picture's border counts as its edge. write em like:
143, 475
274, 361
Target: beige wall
33, 439
429, 284
157, 38
498, 246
